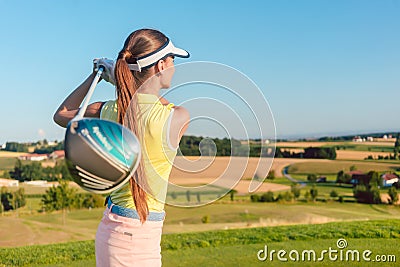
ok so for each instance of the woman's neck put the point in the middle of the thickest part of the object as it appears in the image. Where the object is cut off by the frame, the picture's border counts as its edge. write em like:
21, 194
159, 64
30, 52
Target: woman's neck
151, 87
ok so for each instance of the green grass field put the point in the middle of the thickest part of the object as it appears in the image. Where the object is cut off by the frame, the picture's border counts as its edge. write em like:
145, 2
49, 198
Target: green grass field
30, 229
237, 247
246, 255
333, 167
7, 163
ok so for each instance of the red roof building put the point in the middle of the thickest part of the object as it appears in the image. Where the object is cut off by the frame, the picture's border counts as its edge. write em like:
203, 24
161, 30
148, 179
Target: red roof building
57, 154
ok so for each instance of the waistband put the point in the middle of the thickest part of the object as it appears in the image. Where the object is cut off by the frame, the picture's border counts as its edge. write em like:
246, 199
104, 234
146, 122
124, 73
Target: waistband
131, 213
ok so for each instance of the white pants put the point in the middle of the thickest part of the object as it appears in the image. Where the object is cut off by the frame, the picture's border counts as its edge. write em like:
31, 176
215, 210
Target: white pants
122, 241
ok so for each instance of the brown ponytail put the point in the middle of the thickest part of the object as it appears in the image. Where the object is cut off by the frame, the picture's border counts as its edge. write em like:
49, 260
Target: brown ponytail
138, 43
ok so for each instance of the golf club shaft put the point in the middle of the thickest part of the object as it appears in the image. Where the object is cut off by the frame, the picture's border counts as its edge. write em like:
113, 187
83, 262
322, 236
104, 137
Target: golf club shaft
89, 94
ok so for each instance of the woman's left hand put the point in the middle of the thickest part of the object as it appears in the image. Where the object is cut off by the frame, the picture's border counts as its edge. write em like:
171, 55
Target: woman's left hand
108, 65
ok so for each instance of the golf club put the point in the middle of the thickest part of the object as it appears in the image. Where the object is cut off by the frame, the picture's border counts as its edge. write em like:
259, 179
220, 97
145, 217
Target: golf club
101, 155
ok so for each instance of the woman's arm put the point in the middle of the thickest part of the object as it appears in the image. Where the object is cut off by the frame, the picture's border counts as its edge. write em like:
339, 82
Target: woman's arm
70, 107
179, 125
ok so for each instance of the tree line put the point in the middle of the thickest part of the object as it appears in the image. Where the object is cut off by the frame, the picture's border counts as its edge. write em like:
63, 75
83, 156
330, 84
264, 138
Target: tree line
41, 147
309, 153
11, 200
63, 197
35, 171
60, 197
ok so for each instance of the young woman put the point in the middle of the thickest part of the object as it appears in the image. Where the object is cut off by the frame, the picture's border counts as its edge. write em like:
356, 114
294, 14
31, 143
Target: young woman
129, 233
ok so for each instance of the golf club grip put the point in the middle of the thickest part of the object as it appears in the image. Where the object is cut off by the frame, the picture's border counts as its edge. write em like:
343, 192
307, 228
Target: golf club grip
89, 94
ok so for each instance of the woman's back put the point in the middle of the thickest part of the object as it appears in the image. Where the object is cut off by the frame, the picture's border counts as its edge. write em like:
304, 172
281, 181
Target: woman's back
157, 151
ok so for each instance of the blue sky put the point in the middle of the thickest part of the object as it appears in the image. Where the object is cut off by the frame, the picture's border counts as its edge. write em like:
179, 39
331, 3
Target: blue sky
325, 67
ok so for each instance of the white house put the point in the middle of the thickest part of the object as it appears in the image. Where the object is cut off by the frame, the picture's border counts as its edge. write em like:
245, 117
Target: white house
33, 157
37, 183
357, 139
388, 179
9, 183
57, 154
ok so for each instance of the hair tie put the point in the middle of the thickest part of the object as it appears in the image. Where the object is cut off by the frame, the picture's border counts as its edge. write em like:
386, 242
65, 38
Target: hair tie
124, 54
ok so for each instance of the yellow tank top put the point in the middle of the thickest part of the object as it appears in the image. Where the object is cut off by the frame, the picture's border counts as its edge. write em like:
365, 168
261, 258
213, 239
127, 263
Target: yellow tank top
157, 152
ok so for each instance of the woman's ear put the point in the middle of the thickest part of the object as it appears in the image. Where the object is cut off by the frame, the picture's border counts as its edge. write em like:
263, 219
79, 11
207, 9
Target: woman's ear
160, 66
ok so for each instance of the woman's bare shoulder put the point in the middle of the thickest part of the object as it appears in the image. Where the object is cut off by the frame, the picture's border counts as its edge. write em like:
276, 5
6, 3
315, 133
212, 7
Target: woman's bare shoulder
181, 113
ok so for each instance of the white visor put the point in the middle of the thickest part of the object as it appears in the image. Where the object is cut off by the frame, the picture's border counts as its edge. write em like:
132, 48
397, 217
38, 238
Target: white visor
168, 49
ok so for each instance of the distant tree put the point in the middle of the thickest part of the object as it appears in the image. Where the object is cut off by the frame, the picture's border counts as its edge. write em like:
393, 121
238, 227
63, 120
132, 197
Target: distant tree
173, 195
313, 193
267, 197
364, 193
32, 172
65, 174
254, 198
232, 194
188, 196
59, 198
92, 201
340, 177
295, 189
375, 179
320, 152
6, 174
16, 147
16, 173
353, 167
312, 178
271, 175
205, 219
307, 195
333, 194
397, 147
396, 185
347, 178
393, 195
6, 199
18, 198
287, 196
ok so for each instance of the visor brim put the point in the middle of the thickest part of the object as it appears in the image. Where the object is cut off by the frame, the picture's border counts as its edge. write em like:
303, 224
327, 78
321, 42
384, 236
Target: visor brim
178, 52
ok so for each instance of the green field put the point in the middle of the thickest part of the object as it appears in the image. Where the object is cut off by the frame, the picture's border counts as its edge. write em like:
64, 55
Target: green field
333, 167
7, 163
235, 247
363, 147
29, 229
229, 256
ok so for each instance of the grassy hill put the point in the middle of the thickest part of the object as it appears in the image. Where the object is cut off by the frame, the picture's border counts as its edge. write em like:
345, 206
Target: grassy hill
233, 247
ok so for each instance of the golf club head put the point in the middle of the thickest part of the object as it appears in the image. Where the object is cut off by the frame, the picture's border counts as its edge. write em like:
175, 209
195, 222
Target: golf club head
101, 155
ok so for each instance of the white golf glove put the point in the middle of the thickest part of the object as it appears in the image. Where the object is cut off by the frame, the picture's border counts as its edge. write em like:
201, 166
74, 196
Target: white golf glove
108, 73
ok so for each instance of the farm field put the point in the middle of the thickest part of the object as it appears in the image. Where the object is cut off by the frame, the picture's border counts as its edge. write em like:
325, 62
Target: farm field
359, 155
349, 154
350, 144
192, 170
9, 154
332, 167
